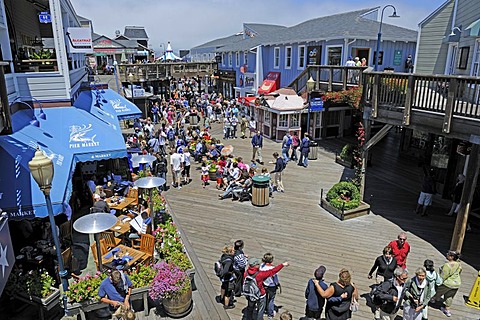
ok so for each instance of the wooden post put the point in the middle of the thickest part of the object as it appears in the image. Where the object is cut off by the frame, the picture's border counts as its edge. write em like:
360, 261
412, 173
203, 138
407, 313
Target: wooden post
375, 91
452, 92
330, 79
367, 126
409, 100
345, 77
466, 201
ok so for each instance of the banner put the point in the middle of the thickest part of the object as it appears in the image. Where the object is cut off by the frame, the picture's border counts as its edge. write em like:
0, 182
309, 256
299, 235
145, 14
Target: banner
7, 257
79, 40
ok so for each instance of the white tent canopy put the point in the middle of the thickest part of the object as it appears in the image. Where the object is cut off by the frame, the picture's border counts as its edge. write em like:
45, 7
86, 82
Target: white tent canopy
169, 55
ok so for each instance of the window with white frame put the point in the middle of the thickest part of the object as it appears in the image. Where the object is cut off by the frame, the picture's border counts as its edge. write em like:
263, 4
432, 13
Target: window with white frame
294, 120
230, 58
223, 59
237, 59
288, 57
301, 57
283, 120
276, 58
476, 60
266, 117
245, 57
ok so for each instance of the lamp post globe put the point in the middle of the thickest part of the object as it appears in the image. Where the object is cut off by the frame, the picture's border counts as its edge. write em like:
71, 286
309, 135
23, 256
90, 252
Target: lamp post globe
41, 168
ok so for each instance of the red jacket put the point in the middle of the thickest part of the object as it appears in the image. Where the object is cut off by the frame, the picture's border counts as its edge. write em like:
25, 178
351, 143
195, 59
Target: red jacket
262, 275
400, 253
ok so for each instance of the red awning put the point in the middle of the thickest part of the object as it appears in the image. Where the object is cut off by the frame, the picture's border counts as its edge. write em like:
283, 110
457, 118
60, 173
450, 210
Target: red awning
267, 87
246, 100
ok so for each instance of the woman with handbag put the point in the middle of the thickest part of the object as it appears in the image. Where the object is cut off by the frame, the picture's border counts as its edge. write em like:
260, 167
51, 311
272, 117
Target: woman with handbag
450, 273
417, 295
340, 310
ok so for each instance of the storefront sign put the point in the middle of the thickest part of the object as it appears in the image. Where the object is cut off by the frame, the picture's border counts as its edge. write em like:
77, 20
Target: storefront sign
7, 257
79, 40
45, 17
82, 137
138, 93
316, 104
397, 58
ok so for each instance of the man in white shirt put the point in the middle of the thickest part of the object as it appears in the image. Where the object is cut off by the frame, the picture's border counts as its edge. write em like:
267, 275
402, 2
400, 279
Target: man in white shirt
176, 160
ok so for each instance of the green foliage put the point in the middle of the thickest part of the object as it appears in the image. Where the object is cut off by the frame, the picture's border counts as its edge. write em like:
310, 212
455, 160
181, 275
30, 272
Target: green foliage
85, 288
142, 276
42, 54
346, 154
344, 195
33, 283
180, 259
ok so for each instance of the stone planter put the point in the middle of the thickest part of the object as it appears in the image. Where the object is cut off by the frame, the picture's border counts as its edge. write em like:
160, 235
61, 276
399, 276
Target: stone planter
362, 209
179, 306
345, 163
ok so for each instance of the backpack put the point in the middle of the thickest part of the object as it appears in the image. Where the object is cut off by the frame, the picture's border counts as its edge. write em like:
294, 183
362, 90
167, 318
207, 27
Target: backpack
250, 288
219, 267
289, 141
376, 289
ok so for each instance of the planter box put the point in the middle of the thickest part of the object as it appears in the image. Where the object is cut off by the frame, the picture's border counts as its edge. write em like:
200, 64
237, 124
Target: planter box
191, 273
84, 307
46, 303
347, 164
361, 210
141, 294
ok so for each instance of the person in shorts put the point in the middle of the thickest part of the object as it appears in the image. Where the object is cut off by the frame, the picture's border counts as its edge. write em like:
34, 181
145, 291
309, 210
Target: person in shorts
426, 195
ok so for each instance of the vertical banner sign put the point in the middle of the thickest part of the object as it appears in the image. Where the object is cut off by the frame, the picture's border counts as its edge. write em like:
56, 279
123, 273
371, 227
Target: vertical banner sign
79, 40
7, 258
314, 55
397, 58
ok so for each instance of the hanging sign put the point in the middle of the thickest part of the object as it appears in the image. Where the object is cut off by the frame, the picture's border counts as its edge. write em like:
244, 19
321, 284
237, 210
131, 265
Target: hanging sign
45, 17
79, 40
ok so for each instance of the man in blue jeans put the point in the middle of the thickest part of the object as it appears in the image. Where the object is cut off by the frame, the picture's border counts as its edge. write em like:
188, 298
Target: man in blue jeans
304, 150
286, 145
257, 144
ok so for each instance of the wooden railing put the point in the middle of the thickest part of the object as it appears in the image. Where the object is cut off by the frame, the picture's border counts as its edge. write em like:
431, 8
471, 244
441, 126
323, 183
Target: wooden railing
159, 71
329, 78
439, 94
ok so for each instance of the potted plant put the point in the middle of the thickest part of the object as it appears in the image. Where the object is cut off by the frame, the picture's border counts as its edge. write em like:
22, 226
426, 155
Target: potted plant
345, 158
85, 289
36, 286
142, 276
343, 201
212, 170
172, 287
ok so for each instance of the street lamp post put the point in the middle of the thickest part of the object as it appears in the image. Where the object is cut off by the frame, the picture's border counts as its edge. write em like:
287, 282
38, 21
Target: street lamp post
310, 88
379, 36
41, 168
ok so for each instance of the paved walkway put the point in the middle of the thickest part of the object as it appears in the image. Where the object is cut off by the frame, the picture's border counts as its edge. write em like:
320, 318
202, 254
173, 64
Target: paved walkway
295, 228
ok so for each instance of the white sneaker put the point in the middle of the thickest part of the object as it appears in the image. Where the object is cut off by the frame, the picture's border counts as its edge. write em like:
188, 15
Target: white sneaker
179, 188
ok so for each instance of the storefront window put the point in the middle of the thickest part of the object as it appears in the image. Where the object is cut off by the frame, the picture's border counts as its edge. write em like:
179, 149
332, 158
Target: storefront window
288, 57
294, 120
334, 56
283, 120
419, 140
266, 117
441, 152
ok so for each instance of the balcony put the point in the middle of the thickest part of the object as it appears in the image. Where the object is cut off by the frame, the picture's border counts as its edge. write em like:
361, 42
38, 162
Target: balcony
159, 71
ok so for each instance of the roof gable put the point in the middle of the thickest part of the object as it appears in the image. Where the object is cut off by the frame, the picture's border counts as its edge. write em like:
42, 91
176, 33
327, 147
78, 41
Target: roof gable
135, 32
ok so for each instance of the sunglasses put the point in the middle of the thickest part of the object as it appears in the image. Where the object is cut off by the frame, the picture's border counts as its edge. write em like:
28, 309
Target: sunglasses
402, 239
403, 279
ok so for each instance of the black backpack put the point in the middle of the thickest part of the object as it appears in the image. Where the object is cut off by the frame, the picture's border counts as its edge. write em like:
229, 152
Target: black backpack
219, 267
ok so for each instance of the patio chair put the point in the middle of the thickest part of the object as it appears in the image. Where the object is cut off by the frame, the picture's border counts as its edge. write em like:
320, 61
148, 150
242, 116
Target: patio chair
133, 193
110, 240
103, 249
147, 246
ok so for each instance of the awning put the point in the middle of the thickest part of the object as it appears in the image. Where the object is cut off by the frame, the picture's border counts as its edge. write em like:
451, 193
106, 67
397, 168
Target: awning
267, 87
473, 30
67, 136
107, 105
246, 100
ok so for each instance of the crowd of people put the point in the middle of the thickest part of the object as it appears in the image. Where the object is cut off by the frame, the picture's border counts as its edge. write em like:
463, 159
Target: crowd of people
258, 281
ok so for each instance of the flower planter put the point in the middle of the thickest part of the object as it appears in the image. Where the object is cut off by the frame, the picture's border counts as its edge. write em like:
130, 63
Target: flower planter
362, 209
345, 163
47, 303
212, 175
178, 306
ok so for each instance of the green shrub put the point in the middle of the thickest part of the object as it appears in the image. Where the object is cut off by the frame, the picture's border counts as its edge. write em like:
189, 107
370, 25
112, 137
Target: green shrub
344, 195
347, 151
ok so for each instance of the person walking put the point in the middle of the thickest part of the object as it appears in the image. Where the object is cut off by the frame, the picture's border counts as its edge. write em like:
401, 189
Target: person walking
286, 145
176, 166
434, 279
279, 166
339, 310
227, 278
427, 192
254, 271
271, 284
417, 295
451, 281
257, 145
457, 195
243, 127
295, 144
384, 264
390, 295
400, 249
304, 150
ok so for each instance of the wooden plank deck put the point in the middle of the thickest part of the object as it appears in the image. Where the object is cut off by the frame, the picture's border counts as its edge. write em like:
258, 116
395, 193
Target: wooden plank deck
294, 227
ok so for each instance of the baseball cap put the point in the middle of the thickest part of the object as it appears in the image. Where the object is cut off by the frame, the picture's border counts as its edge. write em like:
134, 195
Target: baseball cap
252, 262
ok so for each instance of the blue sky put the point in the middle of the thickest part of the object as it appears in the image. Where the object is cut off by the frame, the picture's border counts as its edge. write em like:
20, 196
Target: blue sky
188, 23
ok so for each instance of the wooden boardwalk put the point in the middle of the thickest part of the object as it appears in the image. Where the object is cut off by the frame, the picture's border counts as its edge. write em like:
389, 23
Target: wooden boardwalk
296, 229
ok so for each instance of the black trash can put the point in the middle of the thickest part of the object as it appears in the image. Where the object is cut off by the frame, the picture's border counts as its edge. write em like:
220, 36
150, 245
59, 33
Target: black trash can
313, 153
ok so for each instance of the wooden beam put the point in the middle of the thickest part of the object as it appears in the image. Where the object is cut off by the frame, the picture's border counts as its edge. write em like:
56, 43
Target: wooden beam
377, 137
330, 79
375, 91
447, 122
466, 201
408, 100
